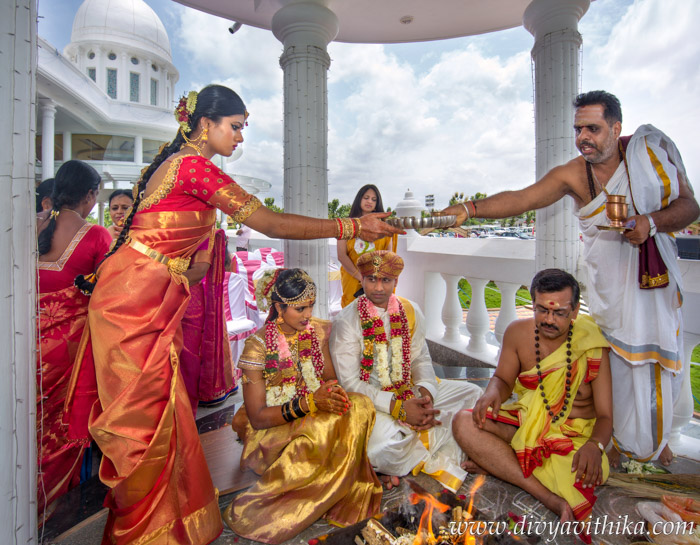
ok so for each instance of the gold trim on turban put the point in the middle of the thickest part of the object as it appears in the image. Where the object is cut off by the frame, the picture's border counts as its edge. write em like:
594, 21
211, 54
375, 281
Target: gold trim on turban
381, 263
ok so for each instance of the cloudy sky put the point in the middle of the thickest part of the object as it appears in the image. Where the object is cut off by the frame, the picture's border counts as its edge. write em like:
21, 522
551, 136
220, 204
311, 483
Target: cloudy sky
437, 117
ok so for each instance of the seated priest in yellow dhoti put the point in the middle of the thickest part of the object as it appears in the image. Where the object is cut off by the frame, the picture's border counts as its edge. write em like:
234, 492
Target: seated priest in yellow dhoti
379, 350
302, 433
550, 441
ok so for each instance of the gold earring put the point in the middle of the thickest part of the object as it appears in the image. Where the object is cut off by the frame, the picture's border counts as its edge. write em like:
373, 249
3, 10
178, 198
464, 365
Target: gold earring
280, 320
205, 135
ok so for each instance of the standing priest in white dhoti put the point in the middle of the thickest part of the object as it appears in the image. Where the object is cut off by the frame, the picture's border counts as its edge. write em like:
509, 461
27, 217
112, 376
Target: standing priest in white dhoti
379, 350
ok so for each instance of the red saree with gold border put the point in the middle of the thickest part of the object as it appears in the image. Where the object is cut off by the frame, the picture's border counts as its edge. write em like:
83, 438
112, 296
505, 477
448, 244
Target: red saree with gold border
62, 438
161, 490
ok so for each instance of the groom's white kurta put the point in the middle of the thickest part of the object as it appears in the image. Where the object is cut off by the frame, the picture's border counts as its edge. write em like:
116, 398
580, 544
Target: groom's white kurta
395, 449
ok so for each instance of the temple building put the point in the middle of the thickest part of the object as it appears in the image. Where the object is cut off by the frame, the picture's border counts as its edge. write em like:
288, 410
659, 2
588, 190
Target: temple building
107, 99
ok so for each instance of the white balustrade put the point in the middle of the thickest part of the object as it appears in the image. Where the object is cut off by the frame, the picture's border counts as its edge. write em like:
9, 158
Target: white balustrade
507, 313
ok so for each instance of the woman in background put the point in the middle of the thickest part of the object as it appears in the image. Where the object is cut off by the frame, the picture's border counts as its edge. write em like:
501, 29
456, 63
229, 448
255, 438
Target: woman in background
120, 201
68, 246
367, 201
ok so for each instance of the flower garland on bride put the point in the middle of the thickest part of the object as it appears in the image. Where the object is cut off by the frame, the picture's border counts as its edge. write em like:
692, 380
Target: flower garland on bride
396, 379
278, 358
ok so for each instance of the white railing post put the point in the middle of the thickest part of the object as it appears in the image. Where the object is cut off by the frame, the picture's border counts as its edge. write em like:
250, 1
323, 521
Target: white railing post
451, 310
683, 408
432, 306
507, 313
477, 317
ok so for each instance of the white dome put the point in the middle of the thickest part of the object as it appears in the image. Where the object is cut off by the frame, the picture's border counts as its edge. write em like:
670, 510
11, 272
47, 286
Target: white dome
131, 23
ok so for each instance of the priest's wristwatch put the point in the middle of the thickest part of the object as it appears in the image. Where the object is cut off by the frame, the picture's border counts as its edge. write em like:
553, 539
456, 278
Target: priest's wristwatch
652, 225
599, 445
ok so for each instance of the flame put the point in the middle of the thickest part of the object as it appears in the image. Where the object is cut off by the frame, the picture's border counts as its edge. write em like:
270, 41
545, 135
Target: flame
426, 519
478, 482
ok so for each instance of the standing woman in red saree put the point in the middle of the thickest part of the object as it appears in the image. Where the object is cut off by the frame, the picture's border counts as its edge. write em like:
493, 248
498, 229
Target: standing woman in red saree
68, 246
161, 491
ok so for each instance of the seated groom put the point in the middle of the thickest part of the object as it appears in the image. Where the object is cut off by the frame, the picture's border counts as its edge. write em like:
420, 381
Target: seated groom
551, 441
379, 350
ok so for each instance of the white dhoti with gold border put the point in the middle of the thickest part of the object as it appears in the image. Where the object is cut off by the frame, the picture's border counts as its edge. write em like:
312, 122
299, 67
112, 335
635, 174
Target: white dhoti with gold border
395, 449
643, 326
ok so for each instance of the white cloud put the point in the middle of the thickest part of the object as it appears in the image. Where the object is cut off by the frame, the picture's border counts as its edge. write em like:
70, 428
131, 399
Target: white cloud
461, 126
248, 60
460, 120
650, 61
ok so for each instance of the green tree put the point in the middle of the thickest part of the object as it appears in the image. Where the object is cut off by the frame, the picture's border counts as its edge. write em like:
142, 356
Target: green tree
270, 203
457, 198
337, 210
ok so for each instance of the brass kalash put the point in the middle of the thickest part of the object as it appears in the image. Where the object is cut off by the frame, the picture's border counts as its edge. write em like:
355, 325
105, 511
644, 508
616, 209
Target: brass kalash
616, 208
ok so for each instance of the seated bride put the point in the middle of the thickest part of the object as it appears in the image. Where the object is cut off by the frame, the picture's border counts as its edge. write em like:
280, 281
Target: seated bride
302, 433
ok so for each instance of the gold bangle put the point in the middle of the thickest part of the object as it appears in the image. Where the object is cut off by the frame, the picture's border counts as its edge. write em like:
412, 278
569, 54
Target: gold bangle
396, 411
359, 228
348, 228
310, 403
402, 414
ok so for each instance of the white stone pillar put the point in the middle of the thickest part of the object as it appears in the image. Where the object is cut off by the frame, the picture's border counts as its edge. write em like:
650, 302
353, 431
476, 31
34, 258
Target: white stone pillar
123, 78
305, 29
100, 69
683, 406
18, 304
554, 24
67, 146
165, 100
138, 149
48, 118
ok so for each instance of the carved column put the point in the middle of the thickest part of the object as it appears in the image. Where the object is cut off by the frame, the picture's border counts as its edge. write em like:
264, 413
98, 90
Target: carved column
18, 305
554, 24
305, 29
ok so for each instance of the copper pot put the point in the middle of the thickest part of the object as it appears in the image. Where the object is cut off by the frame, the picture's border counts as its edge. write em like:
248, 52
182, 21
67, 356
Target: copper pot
616, 209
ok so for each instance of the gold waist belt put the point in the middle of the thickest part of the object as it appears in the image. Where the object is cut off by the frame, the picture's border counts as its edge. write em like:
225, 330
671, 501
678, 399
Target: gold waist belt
176, 265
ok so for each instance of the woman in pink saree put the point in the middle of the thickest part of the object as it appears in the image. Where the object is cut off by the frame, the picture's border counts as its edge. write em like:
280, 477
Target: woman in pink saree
207, 368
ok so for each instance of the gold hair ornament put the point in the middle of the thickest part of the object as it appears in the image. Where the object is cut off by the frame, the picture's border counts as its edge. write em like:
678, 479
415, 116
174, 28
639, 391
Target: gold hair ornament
185, 108
54, 214
309, 293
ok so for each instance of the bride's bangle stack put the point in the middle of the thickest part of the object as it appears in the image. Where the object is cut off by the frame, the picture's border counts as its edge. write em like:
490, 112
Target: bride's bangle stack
292, 410
347, 228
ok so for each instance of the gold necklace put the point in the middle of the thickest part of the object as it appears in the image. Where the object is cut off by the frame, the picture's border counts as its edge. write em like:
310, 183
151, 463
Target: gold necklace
74, 212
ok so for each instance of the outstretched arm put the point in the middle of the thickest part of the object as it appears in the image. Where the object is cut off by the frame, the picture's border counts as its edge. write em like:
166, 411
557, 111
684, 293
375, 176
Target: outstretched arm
549, 189
294, 226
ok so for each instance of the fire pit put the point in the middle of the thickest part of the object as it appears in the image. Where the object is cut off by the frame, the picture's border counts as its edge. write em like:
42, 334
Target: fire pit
427, 519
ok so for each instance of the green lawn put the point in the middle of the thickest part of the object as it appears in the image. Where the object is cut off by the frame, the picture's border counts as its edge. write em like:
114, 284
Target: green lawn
492, 295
